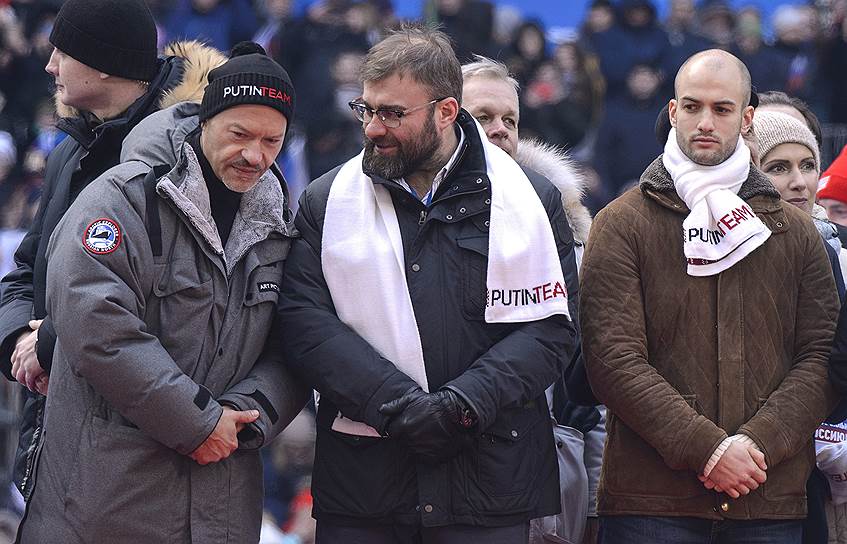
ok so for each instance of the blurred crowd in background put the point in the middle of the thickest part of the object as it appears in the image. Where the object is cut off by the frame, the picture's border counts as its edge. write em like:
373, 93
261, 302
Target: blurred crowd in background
595, 90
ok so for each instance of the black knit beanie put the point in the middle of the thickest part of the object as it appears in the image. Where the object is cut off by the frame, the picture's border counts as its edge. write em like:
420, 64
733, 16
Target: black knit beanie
248, 77
116, 37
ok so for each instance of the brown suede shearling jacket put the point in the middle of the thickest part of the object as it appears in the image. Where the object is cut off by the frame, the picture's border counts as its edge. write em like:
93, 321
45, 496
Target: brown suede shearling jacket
682, 361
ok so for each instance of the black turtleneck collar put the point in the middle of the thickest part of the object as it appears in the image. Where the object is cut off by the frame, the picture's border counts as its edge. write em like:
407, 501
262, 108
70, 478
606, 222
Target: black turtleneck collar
223, 201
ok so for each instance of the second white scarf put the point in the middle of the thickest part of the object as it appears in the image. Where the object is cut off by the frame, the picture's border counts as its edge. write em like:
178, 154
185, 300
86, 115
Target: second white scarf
721, 228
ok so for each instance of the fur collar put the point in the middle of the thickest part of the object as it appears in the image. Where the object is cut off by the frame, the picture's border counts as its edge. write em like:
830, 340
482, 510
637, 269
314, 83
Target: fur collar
657, 178
260, 213
556, 165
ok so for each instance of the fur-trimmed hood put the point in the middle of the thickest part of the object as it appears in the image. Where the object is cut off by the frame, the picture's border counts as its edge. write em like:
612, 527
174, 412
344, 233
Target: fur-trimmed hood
197, 59
554, 163
200, 59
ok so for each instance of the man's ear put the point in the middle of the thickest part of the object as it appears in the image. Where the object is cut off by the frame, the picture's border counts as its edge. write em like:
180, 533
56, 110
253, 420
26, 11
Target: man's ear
446, 112
672, 112
747, 118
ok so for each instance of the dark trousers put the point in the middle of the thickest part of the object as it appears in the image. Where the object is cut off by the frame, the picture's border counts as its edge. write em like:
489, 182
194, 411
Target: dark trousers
662, 530
411, 534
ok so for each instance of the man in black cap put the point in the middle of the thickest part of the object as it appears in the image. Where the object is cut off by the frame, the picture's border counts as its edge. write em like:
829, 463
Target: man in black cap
108, 78
162, 286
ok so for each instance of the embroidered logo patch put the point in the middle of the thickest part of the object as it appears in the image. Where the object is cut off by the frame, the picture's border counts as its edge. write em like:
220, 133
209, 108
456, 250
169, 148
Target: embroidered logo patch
101, 237
265, 286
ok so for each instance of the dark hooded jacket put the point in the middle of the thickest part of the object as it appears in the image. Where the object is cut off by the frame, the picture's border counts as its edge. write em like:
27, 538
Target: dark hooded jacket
508, 473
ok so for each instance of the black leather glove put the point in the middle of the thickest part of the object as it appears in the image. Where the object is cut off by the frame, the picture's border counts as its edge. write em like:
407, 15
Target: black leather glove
433, 425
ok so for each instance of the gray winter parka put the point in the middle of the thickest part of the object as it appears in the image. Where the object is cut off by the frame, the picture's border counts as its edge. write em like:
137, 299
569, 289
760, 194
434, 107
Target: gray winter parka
150, 348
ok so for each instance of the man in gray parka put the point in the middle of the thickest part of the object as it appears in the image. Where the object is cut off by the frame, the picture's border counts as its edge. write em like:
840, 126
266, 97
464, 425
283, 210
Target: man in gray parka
162, 290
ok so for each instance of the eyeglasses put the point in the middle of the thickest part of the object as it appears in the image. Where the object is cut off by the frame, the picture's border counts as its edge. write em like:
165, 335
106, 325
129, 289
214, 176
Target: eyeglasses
389, 118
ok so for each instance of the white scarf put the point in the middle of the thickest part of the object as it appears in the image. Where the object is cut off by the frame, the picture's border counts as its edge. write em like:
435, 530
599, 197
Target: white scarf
364, 266
721, 228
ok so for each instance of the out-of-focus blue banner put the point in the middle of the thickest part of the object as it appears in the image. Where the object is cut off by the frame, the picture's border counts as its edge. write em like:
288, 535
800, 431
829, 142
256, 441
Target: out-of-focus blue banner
570, 13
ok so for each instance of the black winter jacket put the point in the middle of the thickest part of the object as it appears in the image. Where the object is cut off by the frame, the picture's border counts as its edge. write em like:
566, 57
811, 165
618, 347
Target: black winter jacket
509, 474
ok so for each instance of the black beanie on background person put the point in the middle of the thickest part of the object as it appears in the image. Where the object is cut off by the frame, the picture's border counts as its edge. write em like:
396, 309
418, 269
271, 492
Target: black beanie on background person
250, 76
116, 37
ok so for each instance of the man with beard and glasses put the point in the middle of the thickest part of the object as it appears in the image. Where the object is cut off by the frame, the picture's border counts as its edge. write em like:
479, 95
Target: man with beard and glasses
708, 309
426, 303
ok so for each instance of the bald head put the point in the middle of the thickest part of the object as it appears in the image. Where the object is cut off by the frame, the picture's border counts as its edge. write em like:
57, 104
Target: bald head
711, 106
717, 63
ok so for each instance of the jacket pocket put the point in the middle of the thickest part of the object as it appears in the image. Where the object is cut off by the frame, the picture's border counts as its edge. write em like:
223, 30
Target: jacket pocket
633, 467
124, 480
474, 278
179, 276
183, 301
361, 476
507, 454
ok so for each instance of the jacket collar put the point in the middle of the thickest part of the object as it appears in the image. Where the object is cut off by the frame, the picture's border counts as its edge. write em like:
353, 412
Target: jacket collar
88, 130
261, 213
657, 183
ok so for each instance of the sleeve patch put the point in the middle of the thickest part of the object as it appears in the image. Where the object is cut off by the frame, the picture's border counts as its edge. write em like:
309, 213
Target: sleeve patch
101, 237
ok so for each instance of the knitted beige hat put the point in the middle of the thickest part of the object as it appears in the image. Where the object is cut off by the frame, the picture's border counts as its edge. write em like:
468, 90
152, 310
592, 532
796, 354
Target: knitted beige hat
774, 128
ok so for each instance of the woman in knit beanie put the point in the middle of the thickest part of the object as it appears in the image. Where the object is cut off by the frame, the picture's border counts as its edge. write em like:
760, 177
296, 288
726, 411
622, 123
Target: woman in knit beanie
791, 159
789, 156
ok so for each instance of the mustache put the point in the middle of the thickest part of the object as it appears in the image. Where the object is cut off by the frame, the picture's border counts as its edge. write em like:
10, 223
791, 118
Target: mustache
244, 165
385, 139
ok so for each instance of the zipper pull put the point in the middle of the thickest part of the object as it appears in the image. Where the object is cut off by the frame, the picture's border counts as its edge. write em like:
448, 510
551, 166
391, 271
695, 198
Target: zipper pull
423, 217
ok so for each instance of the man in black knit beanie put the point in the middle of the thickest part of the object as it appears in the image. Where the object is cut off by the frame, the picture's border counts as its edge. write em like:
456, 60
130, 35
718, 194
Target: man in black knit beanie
116, 37
162, 283
108, 77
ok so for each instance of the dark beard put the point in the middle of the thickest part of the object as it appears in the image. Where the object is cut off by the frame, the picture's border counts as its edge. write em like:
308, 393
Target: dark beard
410, 158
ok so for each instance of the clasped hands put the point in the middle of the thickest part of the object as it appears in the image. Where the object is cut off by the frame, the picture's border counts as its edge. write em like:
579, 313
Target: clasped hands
740, 470
224, 439
218, 446
430, 424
